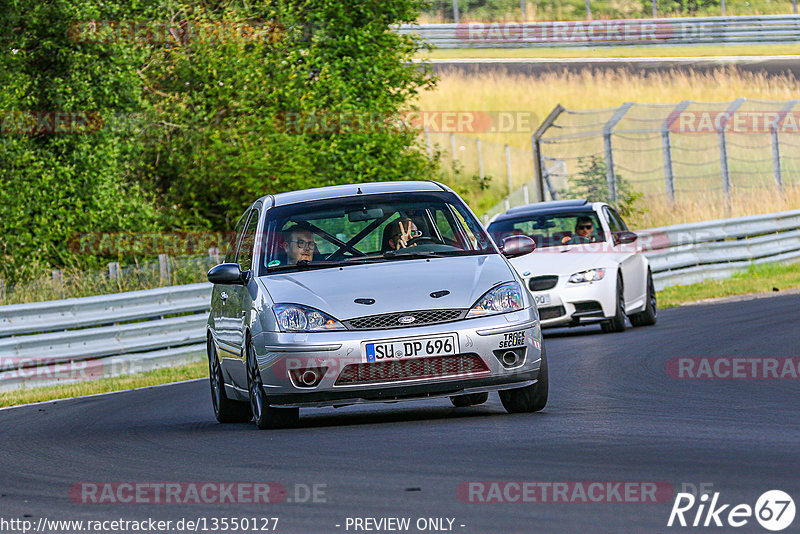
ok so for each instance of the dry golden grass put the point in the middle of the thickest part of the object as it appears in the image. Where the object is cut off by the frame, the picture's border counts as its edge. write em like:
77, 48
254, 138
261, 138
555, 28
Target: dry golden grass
585, 91
661, 212
588, 90
615, 51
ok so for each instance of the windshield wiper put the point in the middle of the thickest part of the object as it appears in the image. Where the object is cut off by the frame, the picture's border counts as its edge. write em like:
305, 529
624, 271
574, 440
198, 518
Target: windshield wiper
402, 253
304, 265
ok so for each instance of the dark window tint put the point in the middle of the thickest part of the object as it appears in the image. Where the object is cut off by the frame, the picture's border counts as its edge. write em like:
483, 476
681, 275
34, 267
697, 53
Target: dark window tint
245, 256
230, 251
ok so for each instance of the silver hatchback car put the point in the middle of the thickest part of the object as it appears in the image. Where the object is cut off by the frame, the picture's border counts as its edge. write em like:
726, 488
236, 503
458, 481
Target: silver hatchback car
373, 292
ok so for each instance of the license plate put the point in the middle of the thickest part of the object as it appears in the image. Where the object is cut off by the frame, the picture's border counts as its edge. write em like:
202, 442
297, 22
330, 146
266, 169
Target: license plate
541, 300
417, 347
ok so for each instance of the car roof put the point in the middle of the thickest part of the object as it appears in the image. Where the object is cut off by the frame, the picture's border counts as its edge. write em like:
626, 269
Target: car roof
547, 208
338, 191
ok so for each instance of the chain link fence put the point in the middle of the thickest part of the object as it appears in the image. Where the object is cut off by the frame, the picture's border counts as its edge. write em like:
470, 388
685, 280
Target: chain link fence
683, 151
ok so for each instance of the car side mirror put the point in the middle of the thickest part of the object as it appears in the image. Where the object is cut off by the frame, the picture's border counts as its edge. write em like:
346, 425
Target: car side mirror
623, 238
226, 273
517, 245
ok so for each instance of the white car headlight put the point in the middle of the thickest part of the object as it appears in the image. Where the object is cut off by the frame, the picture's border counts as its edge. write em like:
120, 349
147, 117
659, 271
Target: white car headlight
299, 318
501, 299
588, 276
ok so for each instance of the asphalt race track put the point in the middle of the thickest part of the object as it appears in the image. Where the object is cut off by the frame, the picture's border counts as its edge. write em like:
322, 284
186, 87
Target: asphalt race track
614, 415
770, 65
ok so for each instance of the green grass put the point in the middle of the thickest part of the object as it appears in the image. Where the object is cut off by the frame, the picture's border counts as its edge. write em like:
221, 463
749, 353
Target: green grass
616, 51
756, 279
164, 375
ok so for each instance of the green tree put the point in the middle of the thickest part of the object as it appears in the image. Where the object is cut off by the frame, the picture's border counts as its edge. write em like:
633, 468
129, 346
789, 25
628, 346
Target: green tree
591, 183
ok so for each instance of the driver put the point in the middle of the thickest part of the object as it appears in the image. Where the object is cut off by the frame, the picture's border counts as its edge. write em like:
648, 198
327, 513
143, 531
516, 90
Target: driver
298, 242
583, 229
401, 232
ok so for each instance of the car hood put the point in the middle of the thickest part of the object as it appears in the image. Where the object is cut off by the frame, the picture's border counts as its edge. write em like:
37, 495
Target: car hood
398, 285
565, 261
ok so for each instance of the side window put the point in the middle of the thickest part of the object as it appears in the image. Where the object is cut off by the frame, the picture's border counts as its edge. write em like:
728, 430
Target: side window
230, 253
245, 256
620, 222
613, 223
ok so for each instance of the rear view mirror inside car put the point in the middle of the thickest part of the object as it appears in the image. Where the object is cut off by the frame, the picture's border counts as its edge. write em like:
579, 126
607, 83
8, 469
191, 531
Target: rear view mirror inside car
365, 214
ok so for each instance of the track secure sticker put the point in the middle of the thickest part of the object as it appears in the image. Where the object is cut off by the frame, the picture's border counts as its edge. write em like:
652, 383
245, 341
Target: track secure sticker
512, 339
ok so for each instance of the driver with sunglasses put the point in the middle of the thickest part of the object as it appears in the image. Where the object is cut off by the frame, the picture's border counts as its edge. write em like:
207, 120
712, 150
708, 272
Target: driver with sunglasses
298, 242
583, 232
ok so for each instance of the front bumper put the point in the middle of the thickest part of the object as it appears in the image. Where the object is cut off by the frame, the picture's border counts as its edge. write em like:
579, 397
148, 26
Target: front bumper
482, 341
578, 304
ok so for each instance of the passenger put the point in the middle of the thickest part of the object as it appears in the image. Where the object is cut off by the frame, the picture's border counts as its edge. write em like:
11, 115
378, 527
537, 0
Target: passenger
399, 232
583, 231
298, 242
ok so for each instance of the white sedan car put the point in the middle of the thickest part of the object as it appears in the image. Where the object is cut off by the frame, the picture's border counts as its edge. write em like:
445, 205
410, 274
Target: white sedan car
587, 267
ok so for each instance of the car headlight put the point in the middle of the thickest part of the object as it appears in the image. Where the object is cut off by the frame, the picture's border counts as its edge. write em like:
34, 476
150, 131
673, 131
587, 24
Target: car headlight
588, 276
299, 318
501, 299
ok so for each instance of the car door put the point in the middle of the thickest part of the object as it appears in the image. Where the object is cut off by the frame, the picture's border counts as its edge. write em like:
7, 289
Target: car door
241, 297
631, 262
220, 303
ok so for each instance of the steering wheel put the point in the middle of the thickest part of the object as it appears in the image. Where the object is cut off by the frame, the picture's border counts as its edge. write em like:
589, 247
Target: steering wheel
421, 240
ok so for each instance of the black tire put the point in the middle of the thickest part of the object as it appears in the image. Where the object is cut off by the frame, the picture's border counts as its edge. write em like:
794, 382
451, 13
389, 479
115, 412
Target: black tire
264, 415
225, 409
462, 401
531, 398
649, 316
617, 323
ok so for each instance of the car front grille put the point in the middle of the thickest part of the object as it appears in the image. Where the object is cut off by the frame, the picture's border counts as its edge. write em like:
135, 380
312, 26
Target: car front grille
392, 320
551, 312
540, 283
412, 369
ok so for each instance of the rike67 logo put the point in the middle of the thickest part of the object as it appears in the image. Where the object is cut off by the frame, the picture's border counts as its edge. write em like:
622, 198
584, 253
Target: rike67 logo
774, 510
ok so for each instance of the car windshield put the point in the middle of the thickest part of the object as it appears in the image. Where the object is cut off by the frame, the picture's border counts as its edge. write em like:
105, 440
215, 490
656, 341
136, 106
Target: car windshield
551, 229
369, 229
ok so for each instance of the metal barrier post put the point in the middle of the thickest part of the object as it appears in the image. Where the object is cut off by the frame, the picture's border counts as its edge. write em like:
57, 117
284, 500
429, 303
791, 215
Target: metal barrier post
455, 11
428, 142
609, 150
508, 169
163, 267
538, 159
723, 151
776, 144
480, 159
453, 146
667, 146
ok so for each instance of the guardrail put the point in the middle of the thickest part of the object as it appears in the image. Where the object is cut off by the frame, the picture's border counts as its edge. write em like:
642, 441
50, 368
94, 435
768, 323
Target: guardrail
108, 335
690, 253
637, 32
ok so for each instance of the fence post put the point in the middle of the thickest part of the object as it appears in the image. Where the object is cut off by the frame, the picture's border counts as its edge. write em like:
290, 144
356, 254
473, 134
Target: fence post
538, 159
508, 169
526, 198
58, 281
667, 147
213, 253
608, 128
524, 8
655, 9
507, 204
2, 290
428, 142
722, 4
794, 7
588, 10
776, 144
113, 270
455, 11
453, 146
723, 151
163, 267
480, 159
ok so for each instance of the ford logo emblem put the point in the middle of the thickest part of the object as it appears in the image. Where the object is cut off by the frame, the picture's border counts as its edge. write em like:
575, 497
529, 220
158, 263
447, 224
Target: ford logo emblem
406, 319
